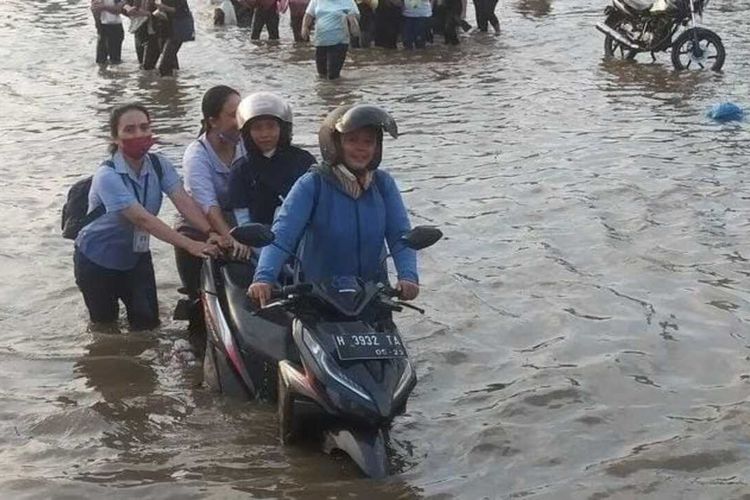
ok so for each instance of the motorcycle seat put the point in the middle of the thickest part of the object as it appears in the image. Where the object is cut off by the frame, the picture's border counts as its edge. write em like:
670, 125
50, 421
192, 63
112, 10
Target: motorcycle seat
237, 275
267, 333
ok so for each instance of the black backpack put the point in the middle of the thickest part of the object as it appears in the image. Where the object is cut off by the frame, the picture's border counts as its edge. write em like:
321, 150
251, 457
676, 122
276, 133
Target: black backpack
75, 212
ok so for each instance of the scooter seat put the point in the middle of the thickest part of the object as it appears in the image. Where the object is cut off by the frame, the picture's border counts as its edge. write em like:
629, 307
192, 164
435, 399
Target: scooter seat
237, 275
267, 333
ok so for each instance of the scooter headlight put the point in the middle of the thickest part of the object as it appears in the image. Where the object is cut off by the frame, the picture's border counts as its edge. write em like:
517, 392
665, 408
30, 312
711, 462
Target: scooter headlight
331, 369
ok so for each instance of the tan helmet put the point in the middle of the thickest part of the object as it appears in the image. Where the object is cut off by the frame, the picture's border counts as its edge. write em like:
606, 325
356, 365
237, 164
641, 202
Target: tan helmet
349, 118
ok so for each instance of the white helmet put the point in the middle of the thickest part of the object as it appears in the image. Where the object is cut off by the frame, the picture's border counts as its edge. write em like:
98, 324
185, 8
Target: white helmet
263, 104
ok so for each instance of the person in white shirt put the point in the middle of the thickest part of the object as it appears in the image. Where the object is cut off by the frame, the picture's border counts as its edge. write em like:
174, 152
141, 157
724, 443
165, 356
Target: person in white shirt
109, 30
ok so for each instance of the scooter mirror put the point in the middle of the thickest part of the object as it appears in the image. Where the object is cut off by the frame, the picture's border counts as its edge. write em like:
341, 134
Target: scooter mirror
422, 237
253, 235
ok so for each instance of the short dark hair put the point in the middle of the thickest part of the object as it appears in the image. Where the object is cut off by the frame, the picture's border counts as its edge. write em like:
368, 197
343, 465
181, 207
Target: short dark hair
114, 120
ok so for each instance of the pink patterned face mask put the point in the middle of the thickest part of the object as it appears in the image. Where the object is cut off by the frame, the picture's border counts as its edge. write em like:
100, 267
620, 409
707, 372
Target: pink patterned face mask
137, 147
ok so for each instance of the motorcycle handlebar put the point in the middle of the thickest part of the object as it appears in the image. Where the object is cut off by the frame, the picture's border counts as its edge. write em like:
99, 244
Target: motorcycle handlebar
389, 291
286, 291
305, 288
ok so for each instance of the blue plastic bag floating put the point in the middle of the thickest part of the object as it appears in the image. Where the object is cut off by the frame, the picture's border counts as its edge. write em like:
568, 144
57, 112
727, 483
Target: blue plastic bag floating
726, 112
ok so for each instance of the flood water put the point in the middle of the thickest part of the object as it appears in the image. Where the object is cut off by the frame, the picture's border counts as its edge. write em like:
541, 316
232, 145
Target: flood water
586, 333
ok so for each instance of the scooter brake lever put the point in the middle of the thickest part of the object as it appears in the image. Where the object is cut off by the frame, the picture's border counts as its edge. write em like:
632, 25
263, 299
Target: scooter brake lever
404, 304
270, 305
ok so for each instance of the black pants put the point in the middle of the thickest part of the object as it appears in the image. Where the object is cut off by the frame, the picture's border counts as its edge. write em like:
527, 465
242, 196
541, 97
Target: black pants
148, 47
414, 32
244, 14
188, 265
387, 25
295, 21
330, 59
485, 10
446, 19
102, 288
169, 61
109, 43
268, 18
366, 28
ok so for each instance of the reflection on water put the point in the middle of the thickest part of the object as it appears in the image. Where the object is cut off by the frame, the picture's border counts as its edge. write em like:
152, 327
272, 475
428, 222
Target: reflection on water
124, 381
535, 8
586, 330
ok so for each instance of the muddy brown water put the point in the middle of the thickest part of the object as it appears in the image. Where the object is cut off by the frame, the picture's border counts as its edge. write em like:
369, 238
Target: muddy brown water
586, 333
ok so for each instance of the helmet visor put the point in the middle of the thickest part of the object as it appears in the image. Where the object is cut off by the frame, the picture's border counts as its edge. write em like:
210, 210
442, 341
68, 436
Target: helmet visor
366, 115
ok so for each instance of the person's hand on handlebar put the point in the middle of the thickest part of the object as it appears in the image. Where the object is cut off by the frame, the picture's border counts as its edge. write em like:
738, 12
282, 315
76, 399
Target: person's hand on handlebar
235, 249
240, 251
231, 247
260, 292
201, 250
407, 290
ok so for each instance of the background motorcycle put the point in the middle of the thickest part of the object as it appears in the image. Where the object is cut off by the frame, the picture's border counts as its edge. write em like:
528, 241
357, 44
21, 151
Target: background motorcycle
342, 370
635, 26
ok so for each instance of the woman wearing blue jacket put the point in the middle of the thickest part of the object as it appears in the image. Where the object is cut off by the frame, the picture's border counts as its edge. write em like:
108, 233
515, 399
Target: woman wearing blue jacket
346, 210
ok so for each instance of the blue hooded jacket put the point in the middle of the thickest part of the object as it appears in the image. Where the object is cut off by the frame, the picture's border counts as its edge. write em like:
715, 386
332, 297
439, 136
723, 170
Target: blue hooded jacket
343, 236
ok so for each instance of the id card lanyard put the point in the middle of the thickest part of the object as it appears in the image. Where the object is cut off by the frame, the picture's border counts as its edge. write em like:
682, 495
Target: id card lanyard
140, 237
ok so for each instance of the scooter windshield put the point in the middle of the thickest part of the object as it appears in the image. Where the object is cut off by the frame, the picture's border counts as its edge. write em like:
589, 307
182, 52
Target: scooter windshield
345, 293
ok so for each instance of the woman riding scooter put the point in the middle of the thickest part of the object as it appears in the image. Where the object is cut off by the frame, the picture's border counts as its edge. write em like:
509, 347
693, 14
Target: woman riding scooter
345, 209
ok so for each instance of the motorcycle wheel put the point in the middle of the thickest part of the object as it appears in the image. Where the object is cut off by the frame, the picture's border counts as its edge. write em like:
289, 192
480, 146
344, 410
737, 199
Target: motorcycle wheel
698, 48
615, 50
612, 48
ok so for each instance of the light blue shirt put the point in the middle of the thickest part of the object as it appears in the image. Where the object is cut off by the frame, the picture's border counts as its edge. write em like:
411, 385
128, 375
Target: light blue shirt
206, 176
330, 20
108, 241
417, 8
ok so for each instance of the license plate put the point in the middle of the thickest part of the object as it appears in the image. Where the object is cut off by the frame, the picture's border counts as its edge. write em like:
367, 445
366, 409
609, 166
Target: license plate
369, 345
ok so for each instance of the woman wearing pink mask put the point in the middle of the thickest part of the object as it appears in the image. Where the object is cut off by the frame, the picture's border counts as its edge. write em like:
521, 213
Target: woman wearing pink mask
112, 258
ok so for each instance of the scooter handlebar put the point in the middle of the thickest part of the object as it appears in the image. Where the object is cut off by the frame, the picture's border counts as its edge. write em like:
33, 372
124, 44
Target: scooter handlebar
389, 291
286, 291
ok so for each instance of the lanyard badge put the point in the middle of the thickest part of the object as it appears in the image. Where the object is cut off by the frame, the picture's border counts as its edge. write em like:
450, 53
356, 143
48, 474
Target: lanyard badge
141, 238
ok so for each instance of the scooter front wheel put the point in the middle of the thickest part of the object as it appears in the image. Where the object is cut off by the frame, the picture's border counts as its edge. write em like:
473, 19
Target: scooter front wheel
698, 48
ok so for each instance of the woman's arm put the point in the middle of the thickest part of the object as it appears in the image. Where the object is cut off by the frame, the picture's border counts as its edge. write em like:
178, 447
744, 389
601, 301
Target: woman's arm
307, 22
290, 223
396, 225
203, 192
219, 224
199, 181
353, 25
148, 222
190, 210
